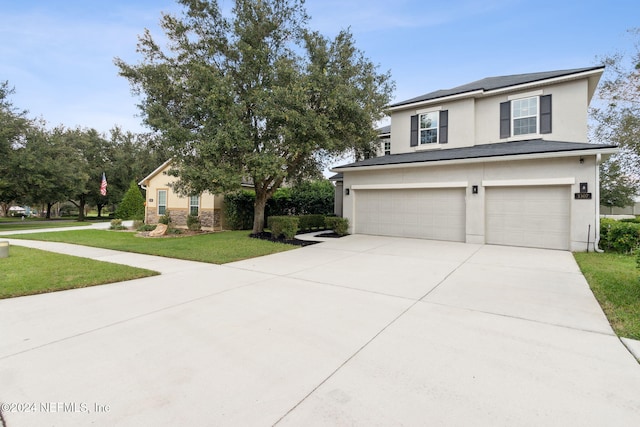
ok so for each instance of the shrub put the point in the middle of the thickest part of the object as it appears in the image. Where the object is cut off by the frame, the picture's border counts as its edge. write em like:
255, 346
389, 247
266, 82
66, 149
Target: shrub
132, 204
193, 223
166, 218
116, 224
311, 222
137, 224
339, 225
286, 226
280, 203
239, 209
617, 236
313, 197
147, 227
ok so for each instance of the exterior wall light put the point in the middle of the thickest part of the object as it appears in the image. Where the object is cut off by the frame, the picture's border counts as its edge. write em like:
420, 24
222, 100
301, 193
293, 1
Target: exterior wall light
346, 192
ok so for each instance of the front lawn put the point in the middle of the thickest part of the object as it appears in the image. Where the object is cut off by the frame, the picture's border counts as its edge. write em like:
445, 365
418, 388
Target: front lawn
13, 224
216, 248
615, 282
31, 271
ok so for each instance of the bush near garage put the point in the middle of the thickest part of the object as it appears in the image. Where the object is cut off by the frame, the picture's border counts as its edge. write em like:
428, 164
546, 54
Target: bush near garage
308, 198
286, 226
619, 236
337, 224
311, 222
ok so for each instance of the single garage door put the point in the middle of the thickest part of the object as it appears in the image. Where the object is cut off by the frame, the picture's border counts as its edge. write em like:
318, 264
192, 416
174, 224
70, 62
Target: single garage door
437, 214
537, 217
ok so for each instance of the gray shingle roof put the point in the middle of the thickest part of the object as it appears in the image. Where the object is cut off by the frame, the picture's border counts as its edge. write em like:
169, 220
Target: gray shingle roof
492, 83
532, 146
384, 130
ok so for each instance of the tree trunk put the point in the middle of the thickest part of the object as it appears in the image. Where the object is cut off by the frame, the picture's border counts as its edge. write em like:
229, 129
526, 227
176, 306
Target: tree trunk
100, 210
258, 211
80, 205
49, 206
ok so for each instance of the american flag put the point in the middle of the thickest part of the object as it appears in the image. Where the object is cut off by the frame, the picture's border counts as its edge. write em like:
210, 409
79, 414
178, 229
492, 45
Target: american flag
103, 185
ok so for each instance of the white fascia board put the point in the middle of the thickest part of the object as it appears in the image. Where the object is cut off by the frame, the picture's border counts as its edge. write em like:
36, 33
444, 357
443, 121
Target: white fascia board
545, 82
155, 172
426, 102
411, 185
534, 156
528, 182
481, 93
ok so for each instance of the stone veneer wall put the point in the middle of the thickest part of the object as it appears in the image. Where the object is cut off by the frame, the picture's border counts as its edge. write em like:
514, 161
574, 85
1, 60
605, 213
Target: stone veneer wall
209, 219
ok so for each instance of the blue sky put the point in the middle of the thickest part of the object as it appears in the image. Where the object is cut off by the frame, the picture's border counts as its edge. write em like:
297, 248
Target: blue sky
59, 54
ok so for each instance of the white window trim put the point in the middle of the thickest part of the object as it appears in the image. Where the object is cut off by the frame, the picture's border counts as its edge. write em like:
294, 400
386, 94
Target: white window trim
524, 95
166, 201
420, 129
197, 206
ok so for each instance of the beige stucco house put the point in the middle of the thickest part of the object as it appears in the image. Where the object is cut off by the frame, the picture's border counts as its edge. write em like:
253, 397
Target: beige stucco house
161, 198
502, 160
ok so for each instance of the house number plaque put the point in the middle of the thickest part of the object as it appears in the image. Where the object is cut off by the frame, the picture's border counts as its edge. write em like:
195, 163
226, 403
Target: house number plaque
582, 196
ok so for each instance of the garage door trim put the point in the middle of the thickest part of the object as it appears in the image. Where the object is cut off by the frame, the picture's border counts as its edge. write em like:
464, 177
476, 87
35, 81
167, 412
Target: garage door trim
528, 182
410, 185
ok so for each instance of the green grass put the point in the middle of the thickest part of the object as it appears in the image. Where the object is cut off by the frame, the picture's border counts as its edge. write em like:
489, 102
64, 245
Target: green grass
216, 248
31, 271
615, 282
13, 224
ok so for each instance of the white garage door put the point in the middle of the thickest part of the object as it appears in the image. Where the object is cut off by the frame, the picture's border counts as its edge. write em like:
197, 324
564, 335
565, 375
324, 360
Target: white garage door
437, 214
536, 217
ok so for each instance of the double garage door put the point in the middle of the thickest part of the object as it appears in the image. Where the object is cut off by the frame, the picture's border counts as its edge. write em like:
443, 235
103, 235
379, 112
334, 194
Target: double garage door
533, 216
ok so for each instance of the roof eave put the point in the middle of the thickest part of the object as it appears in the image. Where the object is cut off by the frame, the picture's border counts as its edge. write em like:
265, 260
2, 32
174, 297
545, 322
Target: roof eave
498, 158
154, 173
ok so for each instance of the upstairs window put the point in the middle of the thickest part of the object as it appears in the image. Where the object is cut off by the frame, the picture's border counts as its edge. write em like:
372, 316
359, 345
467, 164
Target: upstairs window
525, 116
387, 148
429, 128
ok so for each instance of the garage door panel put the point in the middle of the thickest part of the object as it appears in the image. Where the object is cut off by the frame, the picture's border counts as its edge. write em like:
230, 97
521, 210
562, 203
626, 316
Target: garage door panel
528, 216
423, 213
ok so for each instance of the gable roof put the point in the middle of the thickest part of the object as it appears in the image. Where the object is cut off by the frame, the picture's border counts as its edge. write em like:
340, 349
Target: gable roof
493, 83
479, 152
155, 172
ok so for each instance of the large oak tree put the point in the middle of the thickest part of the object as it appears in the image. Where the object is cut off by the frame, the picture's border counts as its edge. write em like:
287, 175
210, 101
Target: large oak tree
255, 96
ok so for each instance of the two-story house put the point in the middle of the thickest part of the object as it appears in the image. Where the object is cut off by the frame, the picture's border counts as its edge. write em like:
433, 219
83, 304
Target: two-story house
503, 160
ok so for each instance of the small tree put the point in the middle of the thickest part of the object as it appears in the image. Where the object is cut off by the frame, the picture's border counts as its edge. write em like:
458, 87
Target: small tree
132, 205
616, 187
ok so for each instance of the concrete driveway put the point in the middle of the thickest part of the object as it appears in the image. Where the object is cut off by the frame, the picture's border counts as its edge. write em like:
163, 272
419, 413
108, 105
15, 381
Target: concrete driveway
361, 330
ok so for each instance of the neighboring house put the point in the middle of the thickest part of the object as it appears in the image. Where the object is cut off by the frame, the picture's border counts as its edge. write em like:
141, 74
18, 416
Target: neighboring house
161, 198
503, 160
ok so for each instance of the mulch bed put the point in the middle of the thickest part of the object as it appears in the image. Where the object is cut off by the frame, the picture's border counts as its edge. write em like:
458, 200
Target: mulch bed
265, 235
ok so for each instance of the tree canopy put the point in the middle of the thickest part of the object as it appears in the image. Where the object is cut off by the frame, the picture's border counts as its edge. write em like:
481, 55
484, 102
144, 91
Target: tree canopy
255, 96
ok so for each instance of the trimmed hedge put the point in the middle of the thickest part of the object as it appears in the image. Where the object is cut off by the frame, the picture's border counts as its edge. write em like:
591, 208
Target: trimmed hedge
618, 236
339, 225
311, 222
286, 226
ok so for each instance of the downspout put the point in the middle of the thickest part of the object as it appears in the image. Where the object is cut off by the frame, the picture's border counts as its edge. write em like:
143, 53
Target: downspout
596, 242
144, 187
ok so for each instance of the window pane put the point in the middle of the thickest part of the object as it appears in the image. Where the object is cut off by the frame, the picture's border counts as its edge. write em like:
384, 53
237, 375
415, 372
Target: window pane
524, 126
429, 120
429, 136
162, 202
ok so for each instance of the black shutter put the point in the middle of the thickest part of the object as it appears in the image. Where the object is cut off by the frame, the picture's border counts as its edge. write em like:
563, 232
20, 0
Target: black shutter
444, 127
414, 131
545, 114
505, 119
